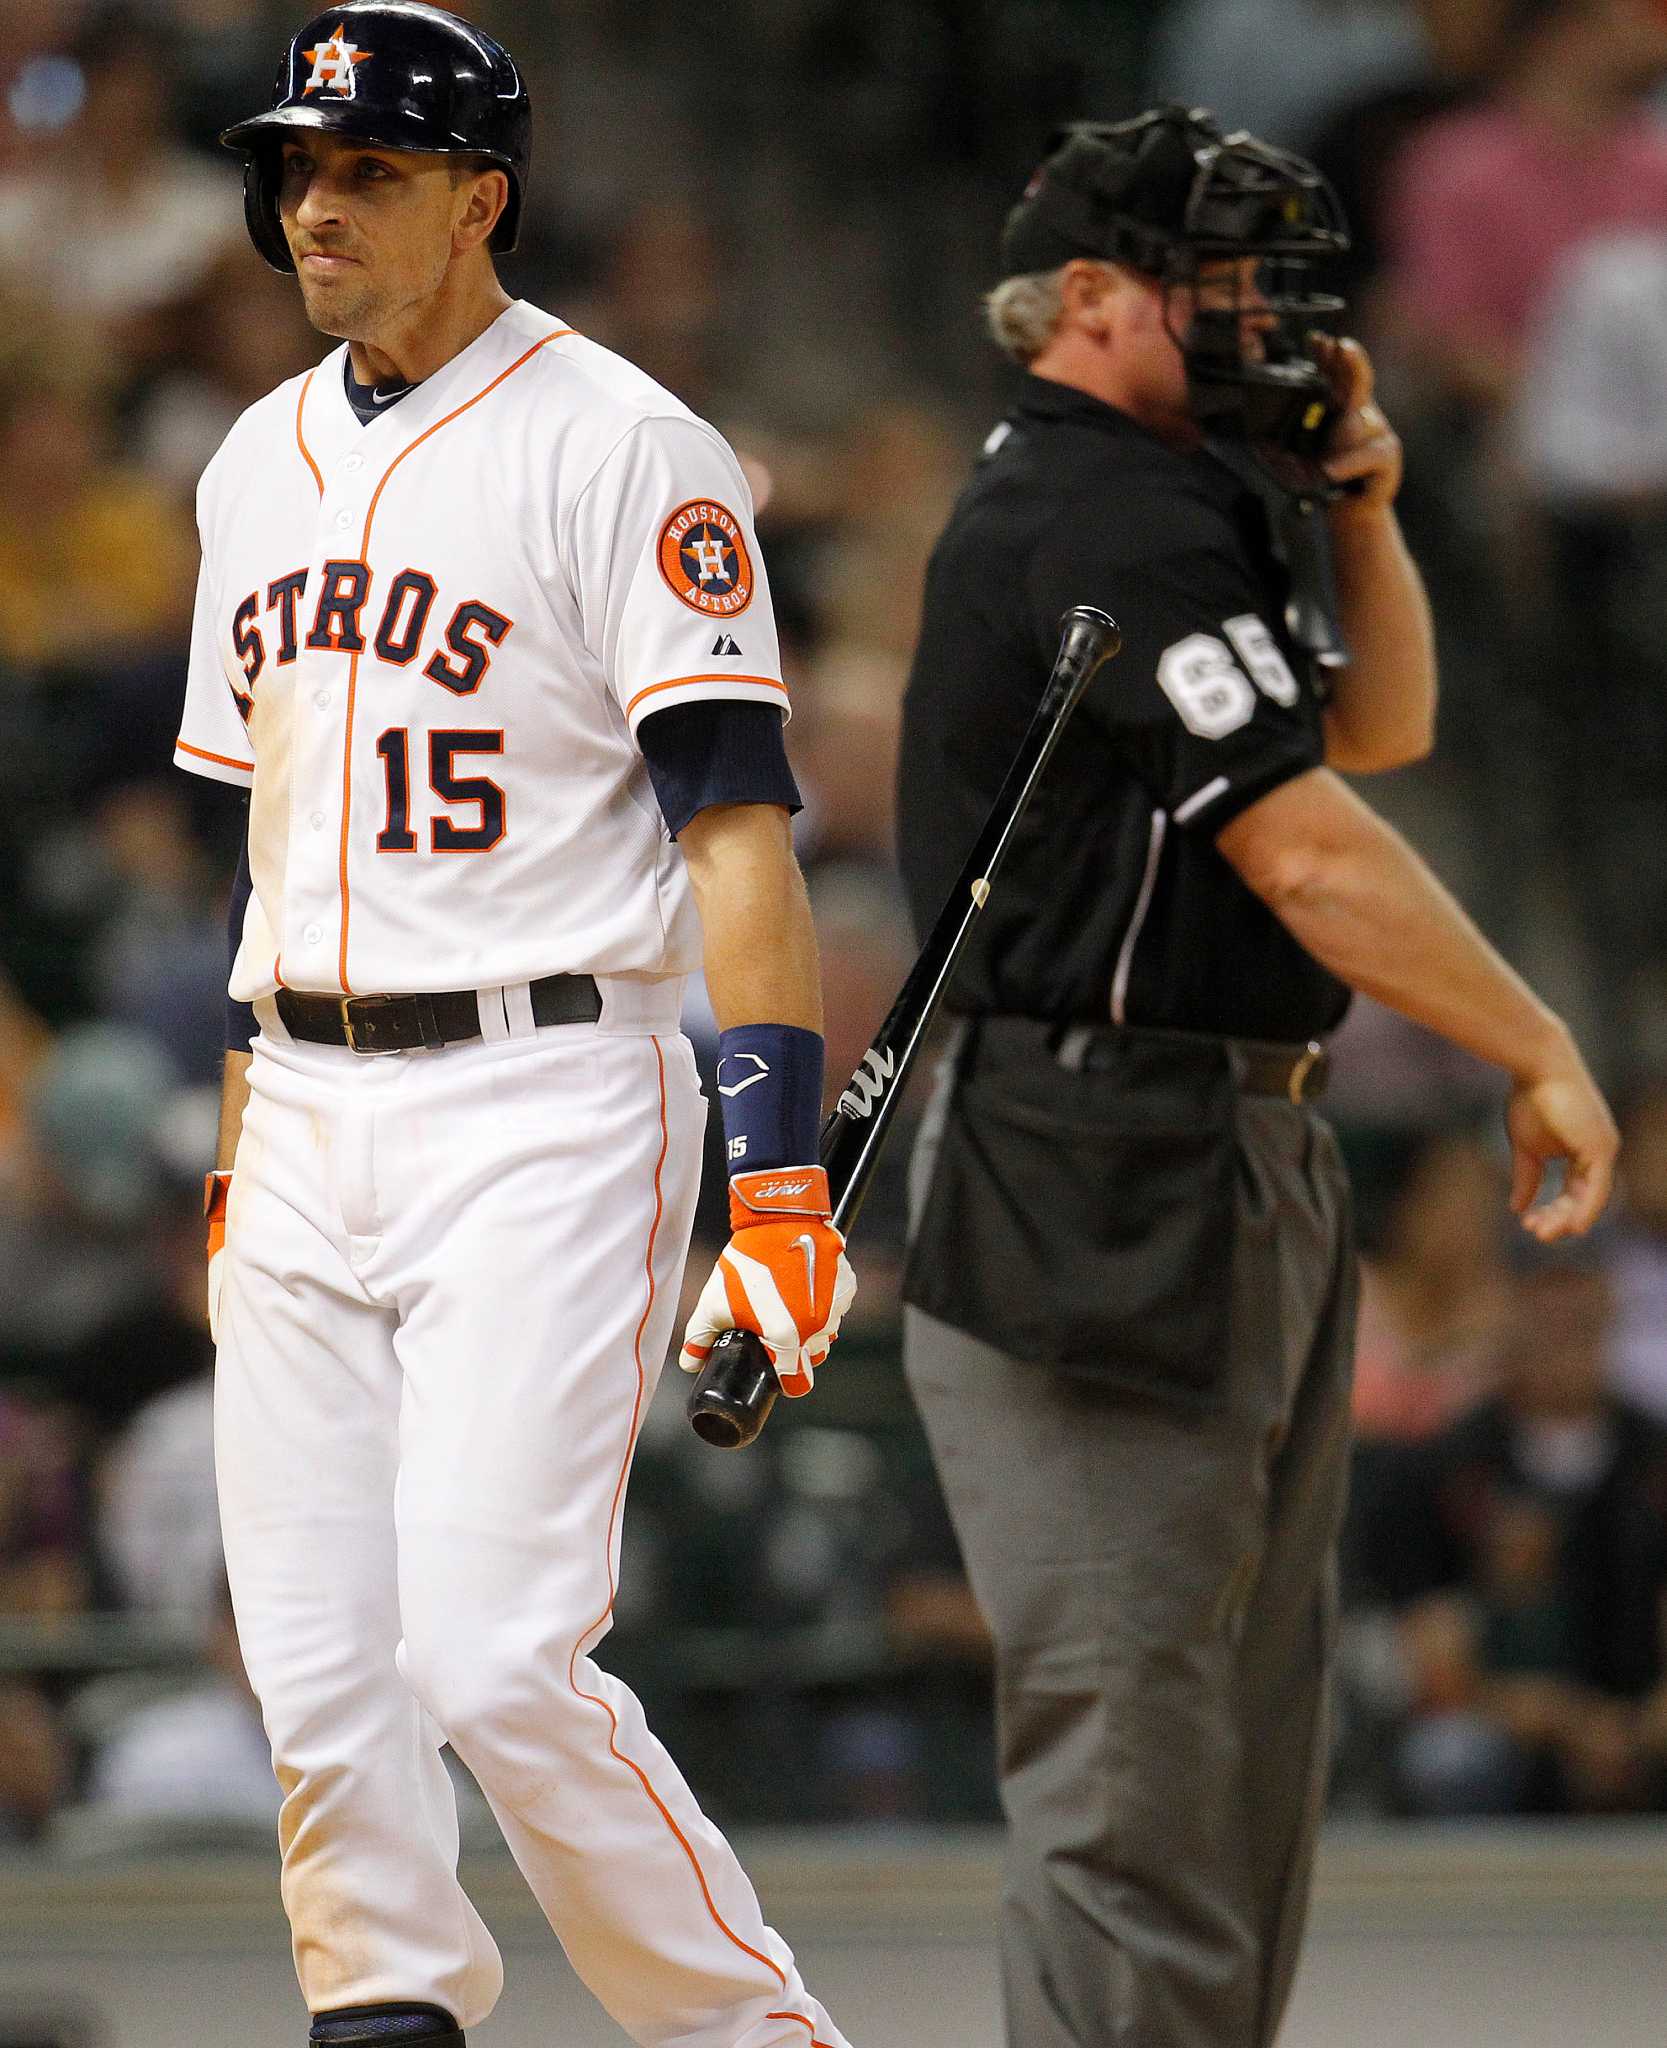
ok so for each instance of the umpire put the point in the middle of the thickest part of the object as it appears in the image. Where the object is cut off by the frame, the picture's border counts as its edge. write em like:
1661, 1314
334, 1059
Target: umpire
1131, 1286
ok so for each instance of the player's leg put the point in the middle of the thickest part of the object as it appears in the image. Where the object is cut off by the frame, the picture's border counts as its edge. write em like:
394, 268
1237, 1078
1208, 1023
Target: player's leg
1290, 1626
558, 1186
1110, 1539
306, 1417
1104, 1535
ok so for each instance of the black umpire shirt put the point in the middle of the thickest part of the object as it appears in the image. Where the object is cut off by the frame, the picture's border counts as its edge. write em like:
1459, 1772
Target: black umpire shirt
1114, 904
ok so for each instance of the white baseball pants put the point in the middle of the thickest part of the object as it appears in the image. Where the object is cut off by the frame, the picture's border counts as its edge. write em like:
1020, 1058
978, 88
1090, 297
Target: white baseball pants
451, 1280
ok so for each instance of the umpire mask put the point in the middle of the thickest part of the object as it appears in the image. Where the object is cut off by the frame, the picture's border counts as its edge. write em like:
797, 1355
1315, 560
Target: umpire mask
1244, 228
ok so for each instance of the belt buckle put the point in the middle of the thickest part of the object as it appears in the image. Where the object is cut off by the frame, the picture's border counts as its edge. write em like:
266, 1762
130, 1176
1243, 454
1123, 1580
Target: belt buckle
350, 1033
1303, 1065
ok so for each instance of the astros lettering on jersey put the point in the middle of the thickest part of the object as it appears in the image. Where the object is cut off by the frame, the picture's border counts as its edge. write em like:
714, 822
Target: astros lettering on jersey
450, 793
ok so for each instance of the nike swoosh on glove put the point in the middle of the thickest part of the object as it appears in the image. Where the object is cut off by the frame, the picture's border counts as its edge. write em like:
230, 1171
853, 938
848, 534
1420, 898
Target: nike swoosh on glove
217, 1189
783, 1275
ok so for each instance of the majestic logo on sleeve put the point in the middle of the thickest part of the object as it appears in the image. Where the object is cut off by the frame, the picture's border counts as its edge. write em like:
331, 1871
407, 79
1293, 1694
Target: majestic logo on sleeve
335, 64
704, 559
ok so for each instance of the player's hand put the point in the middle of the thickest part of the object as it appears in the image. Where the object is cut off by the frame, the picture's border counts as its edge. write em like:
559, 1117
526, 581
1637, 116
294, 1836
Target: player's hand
216, 1192
1365, 451
783, 1275
1561, 1116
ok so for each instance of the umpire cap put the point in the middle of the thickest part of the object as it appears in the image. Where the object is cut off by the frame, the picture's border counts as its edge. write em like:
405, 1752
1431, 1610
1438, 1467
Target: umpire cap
1164, 190
398, 73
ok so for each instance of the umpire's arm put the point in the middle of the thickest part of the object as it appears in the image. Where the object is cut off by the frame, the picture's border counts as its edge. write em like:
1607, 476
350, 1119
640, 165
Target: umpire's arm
1363, 903
1381, 713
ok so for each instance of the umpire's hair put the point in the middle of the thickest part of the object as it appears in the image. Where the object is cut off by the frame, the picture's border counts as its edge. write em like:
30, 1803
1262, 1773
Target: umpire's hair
1023, 312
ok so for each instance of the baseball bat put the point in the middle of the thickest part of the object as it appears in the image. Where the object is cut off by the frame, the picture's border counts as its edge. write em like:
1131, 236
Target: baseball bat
737, 1386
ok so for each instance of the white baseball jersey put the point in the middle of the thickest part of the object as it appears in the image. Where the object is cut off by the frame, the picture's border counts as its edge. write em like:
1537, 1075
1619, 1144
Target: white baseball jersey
426, 645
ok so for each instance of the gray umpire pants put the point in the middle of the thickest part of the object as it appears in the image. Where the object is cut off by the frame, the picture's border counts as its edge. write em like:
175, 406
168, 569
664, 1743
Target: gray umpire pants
1160, 1584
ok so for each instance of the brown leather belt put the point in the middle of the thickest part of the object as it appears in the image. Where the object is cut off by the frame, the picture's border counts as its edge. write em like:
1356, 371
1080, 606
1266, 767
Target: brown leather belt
1296, 1073
373, 1024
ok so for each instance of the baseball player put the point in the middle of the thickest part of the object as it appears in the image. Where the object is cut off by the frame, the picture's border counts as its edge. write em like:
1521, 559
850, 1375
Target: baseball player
483, 630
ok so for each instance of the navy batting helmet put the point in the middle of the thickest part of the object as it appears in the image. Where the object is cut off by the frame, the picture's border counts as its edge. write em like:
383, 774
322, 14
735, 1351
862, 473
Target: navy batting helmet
397, 73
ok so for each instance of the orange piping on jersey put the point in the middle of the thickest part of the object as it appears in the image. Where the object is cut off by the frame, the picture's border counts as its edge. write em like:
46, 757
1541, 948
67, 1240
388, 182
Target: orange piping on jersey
347, 768
555, 334
596, 1699
224, 760
799, 2020
677, 683
301, 439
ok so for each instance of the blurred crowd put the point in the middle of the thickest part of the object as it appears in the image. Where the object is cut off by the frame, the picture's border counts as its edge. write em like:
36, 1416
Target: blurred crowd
789, 222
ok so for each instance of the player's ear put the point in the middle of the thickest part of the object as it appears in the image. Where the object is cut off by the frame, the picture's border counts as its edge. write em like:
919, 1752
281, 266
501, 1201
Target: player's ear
482, 201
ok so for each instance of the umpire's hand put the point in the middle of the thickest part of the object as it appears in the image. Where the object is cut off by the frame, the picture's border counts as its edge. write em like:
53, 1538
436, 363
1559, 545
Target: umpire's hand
1365, 452
1558, 1115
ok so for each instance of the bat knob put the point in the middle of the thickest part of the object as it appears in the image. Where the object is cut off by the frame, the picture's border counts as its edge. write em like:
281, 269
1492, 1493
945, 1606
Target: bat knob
1095, 632
734, 1393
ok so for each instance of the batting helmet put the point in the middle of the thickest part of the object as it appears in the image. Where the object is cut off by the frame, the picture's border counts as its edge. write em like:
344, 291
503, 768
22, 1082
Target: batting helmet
397, 73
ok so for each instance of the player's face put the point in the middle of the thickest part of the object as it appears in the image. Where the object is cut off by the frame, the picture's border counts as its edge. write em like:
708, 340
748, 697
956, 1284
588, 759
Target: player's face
370, 230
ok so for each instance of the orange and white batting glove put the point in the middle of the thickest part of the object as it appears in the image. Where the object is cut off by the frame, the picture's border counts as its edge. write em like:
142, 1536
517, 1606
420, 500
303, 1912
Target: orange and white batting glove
216, 1192
783, 1275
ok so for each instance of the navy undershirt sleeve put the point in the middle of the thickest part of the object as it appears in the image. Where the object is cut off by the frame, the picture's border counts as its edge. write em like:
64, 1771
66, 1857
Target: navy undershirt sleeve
723, 752
240, 1017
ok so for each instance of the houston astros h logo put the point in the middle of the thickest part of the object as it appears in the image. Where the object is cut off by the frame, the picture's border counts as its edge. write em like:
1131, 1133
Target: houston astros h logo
709, 557
334, 63
704, 559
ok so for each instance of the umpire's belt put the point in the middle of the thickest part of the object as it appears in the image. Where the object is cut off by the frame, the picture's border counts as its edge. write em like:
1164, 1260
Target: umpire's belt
417, 1023
1298, 1073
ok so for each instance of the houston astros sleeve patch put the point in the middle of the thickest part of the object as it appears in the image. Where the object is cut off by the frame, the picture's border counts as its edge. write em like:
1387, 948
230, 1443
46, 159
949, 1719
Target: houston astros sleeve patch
704, 559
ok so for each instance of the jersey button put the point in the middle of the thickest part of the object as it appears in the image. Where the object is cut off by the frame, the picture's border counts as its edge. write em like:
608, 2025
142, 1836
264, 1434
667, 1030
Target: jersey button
354, 463
322, 700
318, 821
343, 521
313, 934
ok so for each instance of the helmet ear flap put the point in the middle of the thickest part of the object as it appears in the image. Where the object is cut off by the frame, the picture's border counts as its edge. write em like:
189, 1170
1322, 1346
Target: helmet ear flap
260, 208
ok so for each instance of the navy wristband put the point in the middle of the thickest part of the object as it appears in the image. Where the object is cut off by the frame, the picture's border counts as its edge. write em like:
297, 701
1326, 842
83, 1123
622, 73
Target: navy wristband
770, 1090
